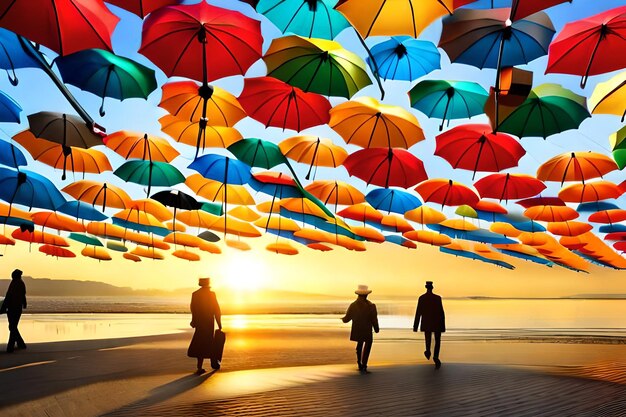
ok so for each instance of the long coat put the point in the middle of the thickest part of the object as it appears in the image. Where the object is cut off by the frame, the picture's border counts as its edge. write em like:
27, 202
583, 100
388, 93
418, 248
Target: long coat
15, 298
204, 311
430, 311
364, 318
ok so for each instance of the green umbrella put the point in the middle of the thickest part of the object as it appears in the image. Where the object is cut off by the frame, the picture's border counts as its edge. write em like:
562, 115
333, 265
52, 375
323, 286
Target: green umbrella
316, 65
466, 211
448, 100
258, 153
118, 247
87, 240
549, 109
618, 145
150, 173
212, 208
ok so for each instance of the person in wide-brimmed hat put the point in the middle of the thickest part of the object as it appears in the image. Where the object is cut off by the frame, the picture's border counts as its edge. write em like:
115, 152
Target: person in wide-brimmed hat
433, 320
205, 311
364, 318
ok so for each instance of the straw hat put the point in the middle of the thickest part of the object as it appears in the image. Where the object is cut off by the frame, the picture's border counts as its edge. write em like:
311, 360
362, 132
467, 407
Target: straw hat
363, 290
204, 282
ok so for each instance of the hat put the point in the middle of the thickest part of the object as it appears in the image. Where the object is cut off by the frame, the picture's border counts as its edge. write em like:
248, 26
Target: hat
204, 282
362, 290
16, 274
429, 284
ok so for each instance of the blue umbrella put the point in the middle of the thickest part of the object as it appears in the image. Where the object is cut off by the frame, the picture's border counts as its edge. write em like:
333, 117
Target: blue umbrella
397, 239
612, 228
16, 221
222, 168
404, 58
594, 206
9, 109
29, 189
13, 56
391, 200
526, 257
472, 255
81, 210
10, 155
318, 223
275, 190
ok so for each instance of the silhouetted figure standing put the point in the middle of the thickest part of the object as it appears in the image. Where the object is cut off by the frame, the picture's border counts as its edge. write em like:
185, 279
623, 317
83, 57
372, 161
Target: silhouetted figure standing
204, 312
430, 312
13, 303
364, 318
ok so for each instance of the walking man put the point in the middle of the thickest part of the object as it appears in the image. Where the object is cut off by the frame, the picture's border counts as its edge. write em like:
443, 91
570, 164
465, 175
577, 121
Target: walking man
13, 303
364, 318
433, 320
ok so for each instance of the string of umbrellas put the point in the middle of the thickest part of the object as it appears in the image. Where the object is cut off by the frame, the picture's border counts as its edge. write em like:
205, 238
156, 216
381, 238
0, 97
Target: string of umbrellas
238, 188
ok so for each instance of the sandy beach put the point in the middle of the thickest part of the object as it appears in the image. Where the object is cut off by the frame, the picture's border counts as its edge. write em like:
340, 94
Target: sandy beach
310, 371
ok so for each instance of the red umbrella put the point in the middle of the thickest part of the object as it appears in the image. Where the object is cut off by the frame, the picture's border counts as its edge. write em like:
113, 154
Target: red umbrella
509, 186
200, 41
278, 104
476, 148
446, 192
590, 46
386, 167
56, 251
65, 26
524, 8
541, 201
142, 7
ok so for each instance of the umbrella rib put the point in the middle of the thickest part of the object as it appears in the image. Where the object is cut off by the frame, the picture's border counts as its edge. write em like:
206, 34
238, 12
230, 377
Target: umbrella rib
86, 20
585, 35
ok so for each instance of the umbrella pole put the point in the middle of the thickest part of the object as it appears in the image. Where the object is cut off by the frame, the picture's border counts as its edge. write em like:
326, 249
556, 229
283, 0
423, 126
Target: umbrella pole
270, 213
498, 73
317, 144
205, 87
226, 196
583, 81
149, 180
104, 90
376, 70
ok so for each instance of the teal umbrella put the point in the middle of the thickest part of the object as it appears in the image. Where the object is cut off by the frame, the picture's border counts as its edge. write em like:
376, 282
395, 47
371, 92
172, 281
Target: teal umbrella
258, 153
448, 100
87, 240
150, 173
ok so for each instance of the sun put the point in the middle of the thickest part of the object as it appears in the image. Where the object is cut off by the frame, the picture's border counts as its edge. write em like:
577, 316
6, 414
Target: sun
244, 272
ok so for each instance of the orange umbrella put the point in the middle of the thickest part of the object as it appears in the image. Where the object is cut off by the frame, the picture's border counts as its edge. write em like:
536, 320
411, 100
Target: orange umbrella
186, 99
96, 252
368, 233
608, 216
362, 212
184, 254
574, 242
184, 239
197, 218
10, 211
282, 248
197, 134
211, 248
446, 192
100, 193
569, 228
320, 247
214, 190
153, 207
147, 253
505, 229
591, 191
335, 192
429, 237
267, 207
107, 230
179, 227
304, 206
459, 224
277, 223
244, 213
56, 251
237, 244
551, 213
139, 217
132, 145
576, 166
39, 237
335, 239
234, 227
132, 257
490, 207
4, 240
313, 150
396, 222
57, 221
425, 215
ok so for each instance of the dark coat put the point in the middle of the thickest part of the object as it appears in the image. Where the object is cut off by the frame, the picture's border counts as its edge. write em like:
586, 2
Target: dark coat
364, 318
430, 311
15, 298
204, 312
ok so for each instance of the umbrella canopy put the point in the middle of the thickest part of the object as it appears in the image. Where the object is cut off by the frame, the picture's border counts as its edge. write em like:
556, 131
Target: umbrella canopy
218, 191
310, 18
317, 66
200, 41
549, 109
56, 251
551, 213
107, 75
369, 124
590, 46
335, 192
569, 228
9, 109
425, 215
39, 237
608, 216
386, 167
575, 166
590, 191
428, 237
132, 257
509, 186
609, 97
222, 168
282, 248
618, 145
361, 212
98, 193
540, 201
177, 200
448, 100
186, 255
63, 128
65, 26
276, 103
53, 220
80, 210
475, 147
446, 192
28, 189
132, 145
13, 56
257, 153
391, 200
314, 151
199, 134
142, 7
404, 58
188, 100
149, 173
10, 155
148, 205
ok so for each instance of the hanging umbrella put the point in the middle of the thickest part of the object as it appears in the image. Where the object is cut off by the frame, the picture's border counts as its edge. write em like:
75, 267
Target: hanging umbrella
53, 220
428, 237
132, 257
310, 18
548, 110
575, 166
369, 124
149, 173
98, 193
142, 7
316, 65
505, 229
275, 103
446, 192
222, 168
9, 109
218, 191
608, 216
313, 150
404, 58
590, 191
140, 221
39, 237
199, 134
188, 100
107, 75
282, 248
87, 240
200, 41
335, 192
149, 253
609, 97
618, 146
131, 145
590, 46
11, 156
65, 26
386, 167
476, 147
148, 205
466, 211
448, 100
424, 215
541, 201
569, 228
80, 210
66, 129
551, 213
391, 200
186, 255
184, 239
361, 212
28, 189
177, 200
13, 56
56, 251
244, 213
257, 153
509, 186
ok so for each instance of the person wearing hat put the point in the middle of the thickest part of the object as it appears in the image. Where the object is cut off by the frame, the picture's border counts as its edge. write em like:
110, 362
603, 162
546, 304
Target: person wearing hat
433, 320
364, 318
13, 303
205, 311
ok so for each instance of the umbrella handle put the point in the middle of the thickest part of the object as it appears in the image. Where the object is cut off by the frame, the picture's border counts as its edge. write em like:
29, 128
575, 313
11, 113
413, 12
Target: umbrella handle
376, 69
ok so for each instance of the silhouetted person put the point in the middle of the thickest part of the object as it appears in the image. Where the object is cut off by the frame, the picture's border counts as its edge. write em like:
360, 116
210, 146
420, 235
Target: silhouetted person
364, 318
430, 312
205, 311
13, 303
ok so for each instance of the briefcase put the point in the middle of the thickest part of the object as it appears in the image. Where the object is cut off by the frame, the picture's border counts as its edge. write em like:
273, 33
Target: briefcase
217, 349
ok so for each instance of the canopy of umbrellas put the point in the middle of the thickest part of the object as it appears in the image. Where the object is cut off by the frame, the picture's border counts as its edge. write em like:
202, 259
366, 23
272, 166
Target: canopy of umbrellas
255, 189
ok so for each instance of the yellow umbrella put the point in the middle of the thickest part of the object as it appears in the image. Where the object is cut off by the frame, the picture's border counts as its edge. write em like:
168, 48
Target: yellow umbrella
197, 134
282, 248
147, 253
313, 150
187, 255
425, 215
132, 145
504, 228
609, 97
152, 207
197, 218
234, 227
335, 192
237, 244
369, 124
179, 227
98, 193
277, 223
184, 239
214, 190
139, 217
96, 252
368, 233
459, 224
244, 213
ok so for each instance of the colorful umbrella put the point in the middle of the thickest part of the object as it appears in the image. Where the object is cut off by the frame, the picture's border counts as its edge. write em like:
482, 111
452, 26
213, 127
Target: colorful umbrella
142, 7
199, 134
28, 189
575, 166
361, 212
282, 248
218, 191
10, 155
39, 237
425, 215
131, 145
13, 56
316, 65
335, 192
446, 192
590, 46
404, 58
278, 104
609, 97
569, 228
186, 255
428, 237
257, 153
618, 146
391, 200
56, 251
53, 220
222, 168
132, 257
314, 151
509, 186
98, 193
448, 100
608, 216
149, 173
369, 124
386, 167
107, 75
177, 200
551, 213
148, 205
590, 191
9, 109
